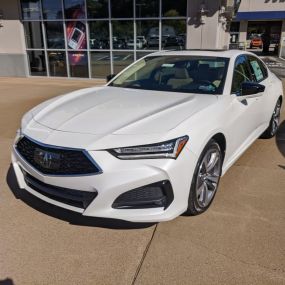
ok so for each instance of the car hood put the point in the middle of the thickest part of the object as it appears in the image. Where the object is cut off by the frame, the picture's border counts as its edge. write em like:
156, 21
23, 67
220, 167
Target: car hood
113, 110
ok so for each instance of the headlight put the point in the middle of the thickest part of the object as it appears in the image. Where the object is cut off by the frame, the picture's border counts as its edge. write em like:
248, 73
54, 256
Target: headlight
168, 149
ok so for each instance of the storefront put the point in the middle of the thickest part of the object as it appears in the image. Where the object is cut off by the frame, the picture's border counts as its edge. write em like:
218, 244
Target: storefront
93, 38
259, 20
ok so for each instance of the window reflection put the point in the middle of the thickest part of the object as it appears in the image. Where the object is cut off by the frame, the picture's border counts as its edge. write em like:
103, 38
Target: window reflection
147, 34
122, 8
33, 33
31, 9
78, 64
97, 9
147, 8
54, 35
123, 34
37, 63
74, 9
173, 34
99, 35
121, 60
52, 9
57, 63
175, 8
100, 64
142, 54
76, 35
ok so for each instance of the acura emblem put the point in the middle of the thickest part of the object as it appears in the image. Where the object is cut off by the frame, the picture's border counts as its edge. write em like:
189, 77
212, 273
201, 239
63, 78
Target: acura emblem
47, 159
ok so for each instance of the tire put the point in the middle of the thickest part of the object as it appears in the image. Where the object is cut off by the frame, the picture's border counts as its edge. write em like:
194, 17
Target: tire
272, 129
206, 175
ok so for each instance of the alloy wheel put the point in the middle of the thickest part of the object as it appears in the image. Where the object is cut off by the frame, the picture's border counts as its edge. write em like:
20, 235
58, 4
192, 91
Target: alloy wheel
208, 176
276, 118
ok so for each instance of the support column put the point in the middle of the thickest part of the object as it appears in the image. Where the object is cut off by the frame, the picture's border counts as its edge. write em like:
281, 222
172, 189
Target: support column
282, 41
207, 25
243, 32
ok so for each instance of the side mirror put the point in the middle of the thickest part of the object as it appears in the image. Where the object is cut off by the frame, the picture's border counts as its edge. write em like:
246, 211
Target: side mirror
110, 76
251, 88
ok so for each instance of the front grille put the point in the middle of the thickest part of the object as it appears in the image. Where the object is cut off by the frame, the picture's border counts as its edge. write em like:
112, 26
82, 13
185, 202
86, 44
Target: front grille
76, 198
55, 161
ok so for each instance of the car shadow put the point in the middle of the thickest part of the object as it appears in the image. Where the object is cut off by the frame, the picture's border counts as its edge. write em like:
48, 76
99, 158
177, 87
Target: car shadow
280, 140
66, 215
7, 281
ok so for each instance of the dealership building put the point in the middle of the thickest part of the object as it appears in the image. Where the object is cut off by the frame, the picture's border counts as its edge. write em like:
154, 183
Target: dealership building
95, 38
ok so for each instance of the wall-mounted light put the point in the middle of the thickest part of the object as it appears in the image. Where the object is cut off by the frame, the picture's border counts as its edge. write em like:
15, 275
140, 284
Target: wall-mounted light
203, 12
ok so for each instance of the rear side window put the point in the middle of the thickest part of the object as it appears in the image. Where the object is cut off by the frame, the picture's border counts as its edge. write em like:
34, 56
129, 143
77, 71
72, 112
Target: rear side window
241, 73
258, 70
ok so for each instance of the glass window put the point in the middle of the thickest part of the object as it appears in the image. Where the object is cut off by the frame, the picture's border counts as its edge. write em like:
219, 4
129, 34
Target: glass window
173, 34
121, 60
74, 9
257, 68
52, 9
147, 34
31, 9
100, 64
123, 34
97, 9
189, 74
172, 8
147, 8
122, 8
76, 35
99, 35
54, 35
33, 33
78, 63
57, 63
241, 73
141, 54
37, 62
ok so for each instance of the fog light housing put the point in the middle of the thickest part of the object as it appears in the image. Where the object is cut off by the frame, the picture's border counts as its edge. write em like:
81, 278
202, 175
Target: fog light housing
155, 195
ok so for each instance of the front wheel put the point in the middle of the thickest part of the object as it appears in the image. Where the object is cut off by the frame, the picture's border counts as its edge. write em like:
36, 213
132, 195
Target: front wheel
271, 131
206, 179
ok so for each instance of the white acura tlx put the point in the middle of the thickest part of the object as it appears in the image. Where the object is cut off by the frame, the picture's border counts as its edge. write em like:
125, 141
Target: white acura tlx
153, 142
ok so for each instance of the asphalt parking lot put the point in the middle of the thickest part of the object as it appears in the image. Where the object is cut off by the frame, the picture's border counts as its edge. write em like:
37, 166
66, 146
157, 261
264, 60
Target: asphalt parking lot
240, 240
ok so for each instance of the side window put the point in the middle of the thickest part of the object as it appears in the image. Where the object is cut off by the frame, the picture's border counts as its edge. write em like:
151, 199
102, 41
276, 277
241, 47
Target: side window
257, 68
241, 73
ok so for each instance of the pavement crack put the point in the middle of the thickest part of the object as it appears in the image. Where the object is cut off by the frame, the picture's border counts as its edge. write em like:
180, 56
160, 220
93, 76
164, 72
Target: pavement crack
144, 255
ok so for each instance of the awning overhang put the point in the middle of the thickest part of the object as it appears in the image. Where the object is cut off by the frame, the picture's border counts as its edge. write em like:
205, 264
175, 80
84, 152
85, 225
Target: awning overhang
260, 15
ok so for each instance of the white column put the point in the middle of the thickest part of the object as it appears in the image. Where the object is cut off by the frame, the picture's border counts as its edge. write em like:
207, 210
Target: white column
243, 32
282, 41
206, 28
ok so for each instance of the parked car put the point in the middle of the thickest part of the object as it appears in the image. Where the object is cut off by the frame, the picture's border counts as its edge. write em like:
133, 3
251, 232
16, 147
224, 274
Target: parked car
154, 141
256, 42
139, 44
143, 40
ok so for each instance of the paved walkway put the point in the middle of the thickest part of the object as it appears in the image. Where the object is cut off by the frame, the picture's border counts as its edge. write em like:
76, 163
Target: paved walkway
240, 240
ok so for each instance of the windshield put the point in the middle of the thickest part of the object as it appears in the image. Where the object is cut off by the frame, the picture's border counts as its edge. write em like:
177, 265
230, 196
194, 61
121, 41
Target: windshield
190, 74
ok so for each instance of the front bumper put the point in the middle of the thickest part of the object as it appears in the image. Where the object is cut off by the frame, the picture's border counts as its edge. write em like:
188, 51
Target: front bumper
118, 177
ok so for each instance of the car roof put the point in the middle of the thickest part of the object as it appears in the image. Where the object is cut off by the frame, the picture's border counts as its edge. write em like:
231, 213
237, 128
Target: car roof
232, 53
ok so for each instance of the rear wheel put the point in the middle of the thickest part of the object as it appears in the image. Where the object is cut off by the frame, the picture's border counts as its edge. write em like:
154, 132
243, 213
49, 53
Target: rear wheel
274, 122
206, 179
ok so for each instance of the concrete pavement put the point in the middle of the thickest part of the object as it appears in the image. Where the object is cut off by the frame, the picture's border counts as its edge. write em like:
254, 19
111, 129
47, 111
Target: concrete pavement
240, 240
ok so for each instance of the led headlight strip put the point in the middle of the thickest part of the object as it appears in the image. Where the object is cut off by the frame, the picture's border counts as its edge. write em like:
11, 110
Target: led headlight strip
168, 149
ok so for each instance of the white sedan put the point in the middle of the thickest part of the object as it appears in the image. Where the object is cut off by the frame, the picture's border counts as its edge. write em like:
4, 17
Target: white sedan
153, 142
